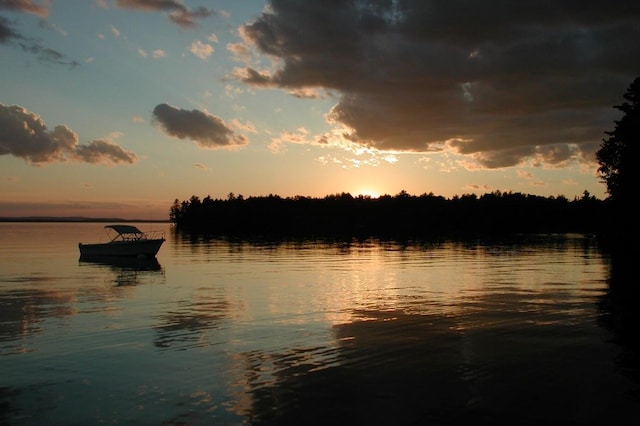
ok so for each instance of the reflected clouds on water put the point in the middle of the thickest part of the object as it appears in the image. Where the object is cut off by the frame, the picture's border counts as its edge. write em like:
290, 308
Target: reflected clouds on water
191, 323
523, 330
35, 302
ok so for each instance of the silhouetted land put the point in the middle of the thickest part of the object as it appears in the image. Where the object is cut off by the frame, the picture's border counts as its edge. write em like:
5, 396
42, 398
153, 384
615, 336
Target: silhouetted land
73, 219
399, 216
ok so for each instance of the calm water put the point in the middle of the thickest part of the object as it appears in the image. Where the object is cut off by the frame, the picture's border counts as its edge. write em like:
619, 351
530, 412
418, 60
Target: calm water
219, 332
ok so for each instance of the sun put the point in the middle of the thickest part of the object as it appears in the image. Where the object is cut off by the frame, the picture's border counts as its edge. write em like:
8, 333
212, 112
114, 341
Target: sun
368, 192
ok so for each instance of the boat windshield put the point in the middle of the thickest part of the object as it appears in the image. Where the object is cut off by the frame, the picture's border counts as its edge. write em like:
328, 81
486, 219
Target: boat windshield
125, 229
126, 232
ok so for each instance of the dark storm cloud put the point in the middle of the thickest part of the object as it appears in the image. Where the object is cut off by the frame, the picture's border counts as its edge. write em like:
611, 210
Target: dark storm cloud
497, 80
178, 13
206, 130
23, 134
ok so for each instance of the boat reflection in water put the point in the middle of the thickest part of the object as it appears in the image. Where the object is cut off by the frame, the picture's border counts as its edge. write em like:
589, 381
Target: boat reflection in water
129, 271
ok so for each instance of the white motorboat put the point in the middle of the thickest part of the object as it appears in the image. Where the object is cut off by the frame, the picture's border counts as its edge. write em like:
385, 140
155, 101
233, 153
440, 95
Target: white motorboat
124, 240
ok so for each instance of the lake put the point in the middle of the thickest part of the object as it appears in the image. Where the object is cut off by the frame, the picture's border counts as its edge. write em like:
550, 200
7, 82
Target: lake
519, 330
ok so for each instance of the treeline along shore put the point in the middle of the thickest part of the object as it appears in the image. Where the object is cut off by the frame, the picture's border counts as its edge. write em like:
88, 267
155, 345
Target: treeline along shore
614, 220
399, 216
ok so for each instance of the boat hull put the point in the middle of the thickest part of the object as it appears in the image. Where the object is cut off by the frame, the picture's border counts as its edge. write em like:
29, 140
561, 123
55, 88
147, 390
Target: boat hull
146, 248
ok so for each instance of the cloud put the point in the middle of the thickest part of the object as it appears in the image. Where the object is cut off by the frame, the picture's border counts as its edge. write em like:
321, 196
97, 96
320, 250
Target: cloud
103, 151
7, 33
25, 6
23, 134
206, 130
494, 80
47, 55
177, 12
278, 144
115, 31
11, 37
201, 50
479, 188
156, 54
240, 52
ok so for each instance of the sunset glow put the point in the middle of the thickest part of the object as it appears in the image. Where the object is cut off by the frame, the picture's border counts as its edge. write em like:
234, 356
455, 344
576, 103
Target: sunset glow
368, 193
118, 108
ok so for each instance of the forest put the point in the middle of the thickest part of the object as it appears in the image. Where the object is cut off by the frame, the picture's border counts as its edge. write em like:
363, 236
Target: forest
613, 220
399, 216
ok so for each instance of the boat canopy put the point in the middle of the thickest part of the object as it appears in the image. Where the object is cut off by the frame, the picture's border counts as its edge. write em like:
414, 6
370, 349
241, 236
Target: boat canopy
125, 229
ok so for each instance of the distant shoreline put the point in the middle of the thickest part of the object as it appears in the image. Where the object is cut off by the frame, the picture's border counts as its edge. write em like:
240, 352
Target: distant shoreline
55, 219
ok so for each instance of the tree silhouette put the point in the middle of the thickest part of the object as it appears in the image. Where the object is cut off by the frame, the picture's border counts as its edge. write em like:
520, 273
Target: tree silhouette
617, 156
619, 152
401, 216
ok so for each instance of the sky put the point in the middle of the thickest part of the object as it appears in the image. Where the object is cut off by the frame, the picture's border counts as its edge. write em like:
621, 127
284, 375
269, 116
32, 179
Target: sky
115, 108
